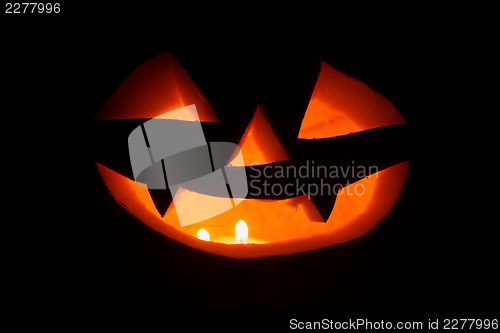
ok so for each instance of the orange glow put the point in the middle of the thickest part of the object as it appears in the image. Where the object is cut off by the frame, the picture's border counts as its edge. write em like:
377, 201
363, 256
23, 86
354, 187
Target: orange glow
339, 105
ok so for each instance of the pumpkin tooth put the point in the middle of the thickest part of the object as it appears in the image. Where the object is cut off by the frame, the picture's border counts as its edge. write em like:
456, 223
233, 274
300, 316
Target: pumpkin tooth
324, 204
162, 200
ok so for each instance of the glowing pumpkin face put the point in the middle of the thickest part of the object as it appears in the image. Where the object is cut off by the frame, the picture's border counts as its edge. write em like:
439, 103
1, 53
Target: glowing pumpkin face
342, 112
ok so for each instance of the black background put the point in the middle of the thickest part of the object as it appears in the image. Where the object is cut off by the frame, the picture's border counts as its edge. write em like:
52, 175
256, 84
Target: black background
79, 256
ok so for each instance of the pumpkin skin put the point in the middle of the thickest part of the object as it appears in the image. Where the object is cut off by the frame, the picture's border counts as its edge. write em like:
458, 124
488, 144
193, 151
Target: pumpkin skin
339, 105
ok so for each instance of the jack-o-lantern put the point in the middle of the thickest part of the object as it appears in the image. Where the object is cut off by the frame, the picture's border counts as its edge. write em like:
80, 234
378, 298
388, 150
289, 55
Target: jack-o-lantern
349, 134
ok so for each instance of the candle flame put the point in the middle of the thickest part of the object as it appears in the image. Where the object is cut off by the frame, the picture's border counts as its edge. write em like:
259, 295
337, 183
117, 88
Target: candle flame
241, 232
203, 235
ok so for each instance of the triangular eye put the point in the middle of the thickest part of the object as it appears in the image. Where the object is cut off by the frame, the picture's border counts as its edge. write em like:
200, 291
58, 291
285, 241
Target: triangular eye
157, 86
341, 105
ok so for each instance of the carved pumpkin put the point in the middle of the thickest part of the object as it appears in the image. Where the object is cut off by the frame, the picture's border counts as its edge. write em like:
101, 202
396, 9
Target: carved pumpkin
342, 112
